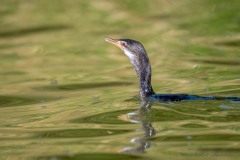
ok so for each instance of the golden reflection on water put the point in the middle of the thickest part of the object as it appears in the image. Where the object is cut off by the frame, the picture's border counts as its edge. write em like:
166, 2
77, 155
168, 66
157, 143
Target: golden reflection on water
65, 94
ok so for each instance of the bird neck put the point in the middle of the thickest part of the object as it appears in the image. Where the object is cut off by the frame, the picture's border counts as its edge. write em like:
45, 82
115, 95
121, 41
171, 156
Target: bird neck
145, 86
142, 67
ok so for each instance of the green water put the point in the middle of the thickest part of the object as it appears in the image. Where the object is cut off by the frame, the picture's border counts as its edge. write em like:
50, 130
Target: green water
67, 94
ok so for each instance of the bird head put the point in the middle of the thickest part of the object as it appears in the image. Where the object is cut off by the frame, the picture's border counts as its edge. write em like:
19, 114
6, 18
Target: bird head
131, 48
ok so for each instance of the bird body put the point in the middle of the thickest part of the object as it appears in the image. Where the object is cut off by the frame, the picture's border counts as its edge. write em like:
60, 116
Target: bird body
140, 61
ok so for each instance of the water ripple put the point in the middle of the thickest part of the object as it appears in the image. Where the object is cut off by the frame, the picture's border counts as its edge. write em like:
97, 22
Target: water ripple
10, 101
104, 118
97, 156
205, 111
207, 137
78, 133
81, 86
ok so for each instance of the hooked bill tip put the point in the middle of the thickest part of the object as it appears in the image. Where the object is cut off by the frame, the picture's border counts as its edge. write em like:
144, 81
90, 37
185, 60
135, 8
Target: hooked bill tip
111, 40
107, 39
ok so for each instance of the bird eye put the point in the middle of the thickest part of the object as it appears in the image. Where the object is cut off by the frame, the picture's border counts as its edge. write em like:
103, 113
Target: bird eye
123, 44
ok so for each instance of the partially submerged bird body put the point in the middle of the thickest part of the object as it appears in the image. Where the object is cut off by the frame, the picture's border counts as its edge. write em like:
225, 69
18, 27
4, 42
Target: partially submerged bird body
182, 97
140, 61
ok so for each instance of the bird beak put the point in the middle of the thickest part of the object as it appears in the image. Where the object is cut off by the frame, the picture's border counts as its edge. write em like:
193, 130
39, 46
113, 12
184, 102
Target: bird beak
115, 42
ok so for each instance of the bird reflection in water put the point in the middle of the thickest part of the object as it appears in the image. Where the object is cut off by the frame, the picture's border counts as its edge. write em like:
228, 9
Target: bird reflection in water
141, 115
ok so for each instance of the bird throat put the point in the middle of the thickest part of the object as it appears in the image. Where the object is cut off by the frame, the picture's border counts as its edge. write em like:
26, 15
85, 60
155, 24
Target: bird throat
130, 55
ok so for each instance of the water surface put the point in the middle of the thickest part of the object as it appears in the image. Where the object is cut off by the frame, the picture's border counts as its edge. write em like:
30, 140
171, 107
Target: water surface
66, 94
